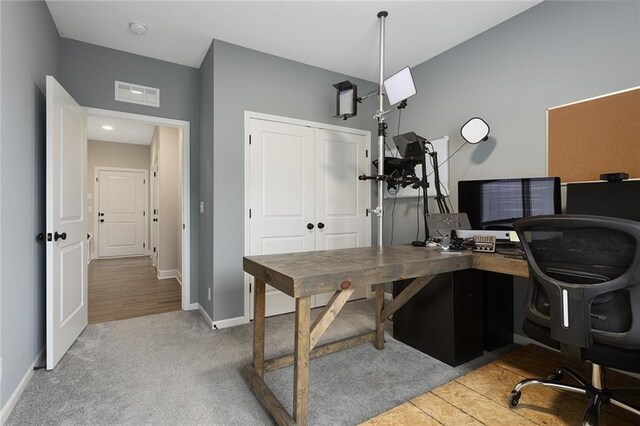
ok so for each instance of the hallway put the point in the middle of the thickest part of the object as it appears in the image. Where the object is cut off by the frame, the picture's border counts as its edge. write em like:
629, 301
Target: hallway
127, 288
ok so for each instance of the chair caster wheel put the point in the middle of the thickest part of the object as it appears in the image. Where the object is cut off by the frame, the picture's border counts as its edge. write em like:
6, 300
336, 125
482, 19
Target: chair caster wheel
513, 399
557, 376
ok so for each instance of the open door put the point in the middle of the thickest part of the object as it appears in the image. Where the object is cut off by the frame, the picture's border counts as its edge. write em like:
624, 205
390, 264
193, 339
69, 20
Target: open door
66, 228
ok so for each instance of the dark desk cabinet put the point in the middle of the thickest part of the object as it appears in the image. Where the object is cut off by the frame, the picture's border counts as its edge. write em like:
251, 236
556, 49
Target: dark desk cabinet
457, 315
444, 320
497, 310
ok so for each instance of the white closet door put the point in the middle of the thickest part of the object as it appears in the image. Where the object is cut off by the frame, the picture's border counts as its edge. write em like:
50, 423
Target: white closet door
281, 161
341, 199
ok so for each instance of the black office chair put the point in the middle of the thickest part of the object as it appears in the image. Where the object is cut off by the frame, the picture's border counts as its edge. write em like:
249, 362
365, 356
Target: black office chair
584, 299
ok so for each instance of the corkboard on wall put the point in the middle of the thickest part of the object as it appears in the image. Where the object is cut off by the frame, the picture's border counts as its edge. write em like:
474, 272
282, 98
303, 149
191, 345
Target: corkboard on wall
601, 135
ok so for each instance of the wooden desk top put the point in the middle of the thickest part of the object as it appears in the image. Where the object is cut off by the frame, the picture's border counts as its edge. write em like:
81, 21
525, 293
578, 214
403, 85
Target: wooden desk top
497, 263
308, 273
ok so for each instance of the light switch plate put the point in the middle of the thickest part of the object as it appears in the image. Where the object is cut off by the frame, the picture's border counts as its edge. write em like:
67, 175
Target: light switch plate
201, 206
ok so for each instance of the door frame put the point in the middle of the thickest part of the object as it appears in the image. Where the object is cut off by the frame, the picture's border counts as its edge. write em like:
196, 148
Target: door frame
186, 188
96, 205
248, 115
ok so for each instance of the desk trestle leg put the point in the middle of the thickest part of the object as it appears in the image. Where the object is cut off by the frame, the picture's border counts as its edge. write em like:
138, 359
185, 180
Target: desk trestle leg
258, 327
384, 312
301, 362
379, 341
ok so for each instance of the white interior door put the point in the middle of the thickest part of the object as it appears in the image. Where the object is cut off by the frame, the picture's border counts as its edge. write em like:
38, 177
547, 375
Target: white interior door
155, 202
281, 161
121, 213
66, 227
341, 199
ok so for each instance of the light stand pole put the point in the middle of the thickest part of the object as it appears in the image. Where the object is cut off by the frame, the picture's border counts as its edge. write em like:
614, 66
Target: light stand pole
382, 126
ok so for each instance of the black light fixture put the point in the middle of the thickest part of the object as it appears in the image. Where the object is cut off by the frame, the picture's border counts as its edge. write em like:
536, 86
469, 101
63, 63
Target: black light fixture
346, 99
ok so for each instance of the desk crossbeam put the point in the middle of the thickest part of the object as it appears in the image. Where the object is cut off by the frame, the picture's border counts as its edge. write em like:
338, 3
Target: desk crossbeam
406, 294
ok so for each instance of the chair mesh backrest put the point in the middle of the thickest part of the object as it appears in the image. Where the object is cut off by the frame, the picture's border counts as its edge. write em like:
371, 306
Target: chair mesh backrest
584, 255
587, 254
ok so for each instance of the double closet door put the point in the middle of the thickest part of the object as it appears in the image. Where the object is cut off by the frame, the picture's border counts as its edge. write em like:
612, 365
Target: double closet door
304, 195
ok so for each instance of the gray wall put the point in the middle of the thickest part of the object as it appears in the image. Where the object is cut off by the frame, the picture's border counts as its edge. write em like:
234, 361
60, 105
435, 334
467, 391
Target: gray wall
88, 73
26, 58
206, 181
554, 53
248, 80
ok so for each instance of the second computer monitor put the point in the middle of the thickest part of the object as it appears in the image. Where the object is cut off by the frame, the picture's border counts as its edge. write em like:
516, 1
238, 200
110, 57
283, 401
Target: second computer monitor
495, 204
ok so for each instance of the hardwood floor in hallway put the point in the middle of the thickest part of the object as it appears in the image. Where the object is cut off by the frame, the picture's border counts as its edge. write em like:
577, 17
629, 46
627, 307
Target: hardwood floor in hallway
128, 287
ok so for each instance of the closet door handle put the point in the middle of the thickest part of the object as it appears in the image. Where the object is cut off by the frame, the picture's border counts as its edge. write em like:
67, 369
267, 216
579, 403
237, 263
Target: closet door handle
57, 236
320, 225
309, 226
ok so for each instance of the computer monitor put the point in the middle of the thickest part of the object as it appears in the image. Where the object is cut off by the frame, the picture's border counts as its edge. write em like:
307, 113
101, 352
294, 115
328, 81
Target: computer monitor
613, 199
495, 204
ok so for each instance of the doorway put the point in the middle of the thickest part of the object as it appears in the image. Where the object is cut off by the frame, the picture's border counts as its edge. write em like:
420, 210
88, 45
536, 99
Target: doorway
140, 216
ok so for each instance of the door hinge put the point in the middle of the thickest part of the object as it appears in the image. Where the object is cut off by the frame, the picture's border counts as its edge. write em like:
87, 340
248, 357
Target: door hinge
249, 139
184, 226
249, 287
97, 180
249, 213
144, 181
366, 153
154, 249
144, 213
144, 245
366, 212
154, 174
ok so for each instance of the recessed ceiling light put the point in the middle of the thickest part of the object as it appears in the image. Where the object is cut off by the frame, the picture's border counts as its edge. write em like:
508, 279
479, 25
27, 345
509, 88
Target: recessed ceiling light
107, 127
137, 27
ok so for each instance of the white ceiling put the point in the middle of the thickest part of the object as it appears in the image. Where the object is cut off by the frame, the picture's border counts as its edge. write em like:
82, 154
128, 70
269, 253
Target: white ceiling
124, 131
340, 36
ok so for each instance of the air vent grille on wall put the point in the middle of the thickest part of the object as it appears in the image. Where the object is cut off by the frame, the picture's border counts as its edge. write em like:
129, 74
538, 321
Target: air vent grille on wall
137, 94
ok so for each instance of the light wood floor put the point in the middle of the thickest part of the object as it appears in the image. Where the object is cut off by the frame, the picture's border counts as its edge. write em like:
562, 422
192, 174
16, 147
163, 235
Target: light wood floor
480, 397
127, 288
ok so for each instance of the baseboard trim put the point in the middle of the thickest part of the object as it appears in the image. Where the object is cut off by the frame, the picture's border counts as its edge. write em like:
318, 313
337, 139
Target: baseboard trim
231, 322
206, 316
169, 273
193, 306
5, 412
179, 278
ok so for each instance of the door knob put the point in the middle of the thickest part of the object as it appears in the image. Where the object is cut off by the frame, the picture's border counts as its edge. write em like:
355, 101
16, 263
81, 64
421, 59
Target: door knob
155, 220
320, 225
101, 220
309, 226
57, 236
100, 214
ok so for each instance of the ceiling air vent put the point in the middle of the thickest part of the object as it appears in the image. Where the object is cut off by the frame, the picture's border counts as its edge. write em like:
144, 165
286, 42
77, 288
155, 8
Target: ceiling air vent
137, 94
